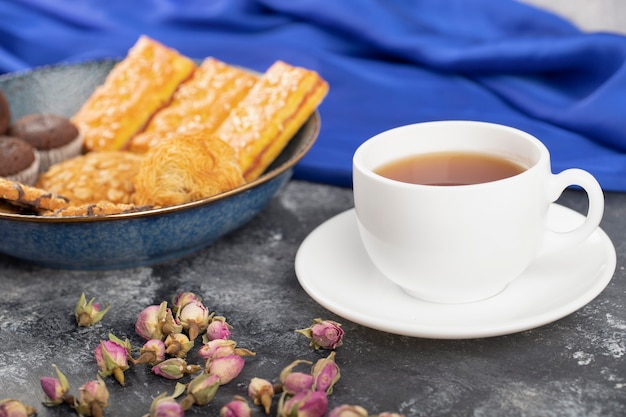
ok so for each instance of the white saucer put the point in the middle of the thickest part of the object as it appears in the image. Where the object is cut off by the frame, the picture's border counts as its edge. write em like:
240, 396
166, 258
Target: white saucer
333, 268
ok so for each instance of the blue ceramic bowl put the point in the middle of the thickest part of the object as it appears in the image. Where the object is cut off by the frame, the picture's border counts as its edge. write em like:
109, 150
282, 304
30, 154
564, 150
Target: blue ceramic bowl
131, 239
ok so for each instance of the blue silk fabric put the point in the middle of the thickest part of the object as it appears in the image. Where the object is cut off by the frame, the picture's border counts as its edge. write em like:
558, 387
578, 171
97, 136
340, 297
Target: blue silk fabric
388, 63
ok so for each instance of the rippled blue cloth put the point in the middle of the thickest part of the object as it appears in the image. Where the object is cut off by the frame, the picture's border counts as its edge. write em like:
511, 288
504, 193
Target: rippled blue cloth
388, 63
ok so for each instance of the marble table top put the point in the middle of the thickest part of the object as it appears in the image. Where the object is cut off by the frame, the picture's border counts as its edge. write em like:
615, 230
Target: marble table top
574, 366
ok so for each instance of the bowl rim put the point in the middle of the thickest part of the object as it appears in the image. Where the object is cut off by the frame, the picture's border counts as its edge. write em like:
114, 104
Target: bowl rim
313, 122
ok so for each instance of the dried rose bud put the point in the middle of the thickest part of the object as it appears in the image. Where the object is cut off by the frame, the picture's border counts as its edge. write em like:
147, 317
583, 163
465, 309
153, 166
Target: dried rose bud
297, 381
194, 317
226, 367
166, 406
53, 390
183, 298
324, 334
112, 359
56, 389
125, 343
169, 325
238, 407
151, 353
216, 348
93, 398
261, 392
156, 322
326, 374
148, 324
14, 408
390, 414
201, 390
304, 404
222, 347
347, 410
218, 329
88, 313
178, 345
175, 368
293, 382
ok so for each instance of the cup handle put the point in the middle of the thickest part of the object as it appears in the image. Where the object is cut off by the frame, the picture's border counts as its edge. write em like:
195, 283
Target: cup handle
587, 182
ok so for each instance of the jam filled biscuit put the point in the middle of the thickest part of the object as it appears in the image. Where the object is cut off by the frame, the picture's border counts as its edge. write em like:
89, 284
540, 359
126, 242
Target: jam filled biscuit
135, 88
186, 168
94, 177
263, 122
200, 103
23, 195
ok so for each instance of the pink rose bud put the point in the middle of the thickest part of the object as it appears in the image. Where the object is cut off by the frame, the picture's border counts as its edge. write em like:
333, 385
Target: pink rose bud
216, 348
15, 408
222, 347
166, 406
346, 410
298, 381
238, 407
125, 343
93, 398
169, 325
148, 324
305, 404
194, 317
226, 367
201, 390
390, 414
183, 298
88, 313
56, 389
326, 374
293, 382
261, 392
175, 368
178, 345
52, 389
151, 353
156, 322
218, 329
112, 359
324, 334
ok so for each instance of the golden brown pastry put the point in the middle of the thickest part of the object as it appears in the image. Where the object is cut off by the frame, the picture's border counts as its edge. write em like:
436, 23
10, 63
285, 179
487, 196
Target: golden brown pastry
136, 87
200, 103
262, 123
94, 177
22, 195
186, 168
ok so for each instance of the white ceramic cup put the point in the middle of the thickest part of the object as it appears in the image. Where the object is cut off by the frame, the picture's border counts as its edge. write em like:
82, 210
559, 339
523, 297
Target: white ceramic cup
464, 243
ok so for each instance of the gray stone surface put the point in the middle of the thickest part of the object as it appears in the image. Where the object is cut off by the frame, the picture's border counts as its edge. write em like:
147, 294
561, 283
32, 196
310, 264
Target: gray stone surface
573, 367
